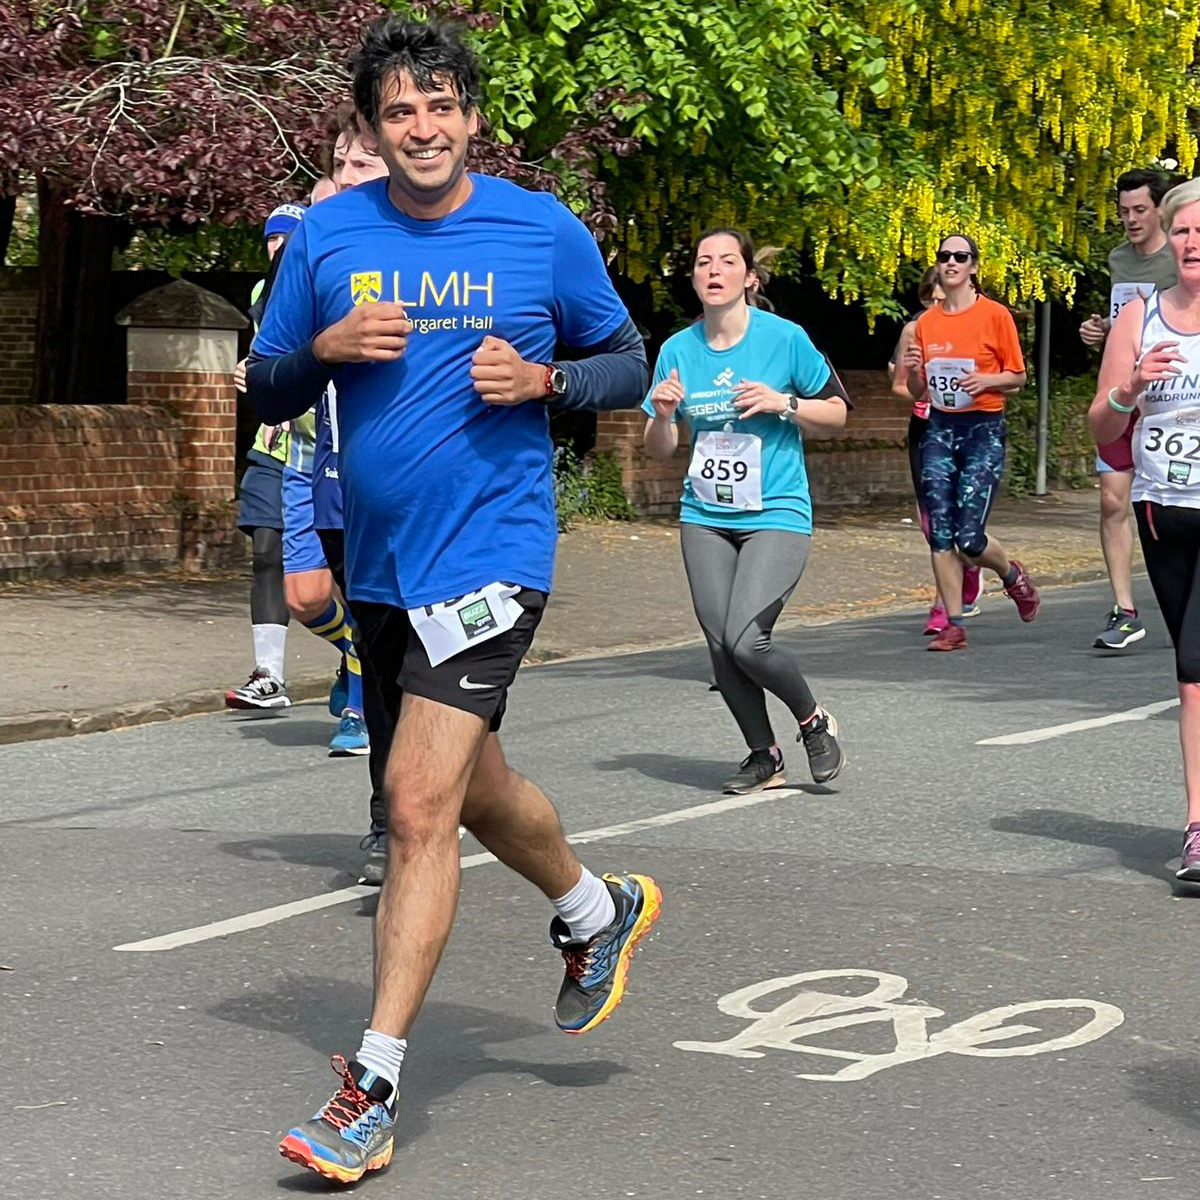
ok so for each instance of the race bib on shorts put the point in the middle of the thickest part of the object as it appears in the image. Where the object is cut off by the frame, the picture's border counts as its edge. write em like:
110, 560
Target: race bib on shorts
944, 378
1122, 293
448, 628
1170, 449
726, 470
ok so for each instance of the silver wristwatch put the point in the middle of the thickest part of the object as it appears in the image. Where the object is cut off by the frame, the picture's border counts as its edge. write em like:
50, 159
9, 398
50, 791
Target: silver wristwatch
792, 406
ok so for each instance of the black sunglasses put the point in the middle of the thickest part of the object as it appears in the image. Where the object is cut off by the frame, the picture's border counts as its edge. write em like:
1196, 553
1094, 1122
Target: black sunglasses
959, 256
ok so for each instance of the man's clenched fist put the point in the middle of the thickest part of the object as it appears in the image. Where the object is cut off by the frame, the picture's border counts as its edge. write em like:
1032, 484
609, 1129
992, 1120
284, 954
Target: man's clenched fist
367, 333
502, 376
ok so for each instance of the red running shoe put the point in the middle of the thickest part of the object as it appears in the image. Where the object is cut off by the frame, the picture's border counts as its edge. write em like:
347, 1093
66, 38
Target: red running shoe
1023, 594
953, 637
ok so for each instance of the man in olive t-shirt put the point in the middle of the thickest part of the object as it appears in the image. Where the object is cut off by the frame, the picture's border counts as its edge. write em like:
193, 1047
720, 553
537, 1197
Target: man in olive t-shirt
1136, 267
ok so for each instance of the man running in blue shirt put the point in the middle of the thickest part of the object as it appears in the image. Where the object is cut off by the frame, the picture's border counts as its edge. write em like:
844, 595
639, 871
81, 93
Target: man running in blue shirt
434, 300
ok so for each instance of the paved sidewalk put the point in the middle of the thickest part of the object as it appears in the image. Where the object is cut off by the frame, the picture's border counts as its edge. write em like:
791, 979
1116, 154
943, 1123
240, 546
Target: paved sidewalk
82, 655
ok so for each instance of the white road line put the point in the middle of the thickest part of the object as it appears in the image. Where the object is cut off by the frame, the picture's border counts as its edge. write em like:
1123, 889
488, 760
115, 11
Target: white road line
281, 912
1053, 731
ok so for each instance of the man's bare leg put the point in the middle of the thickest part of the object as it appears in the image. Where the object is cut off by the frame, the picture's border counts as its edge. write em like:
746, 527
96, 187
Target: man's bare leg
513, 818
599, 921
434, 754
1116, 533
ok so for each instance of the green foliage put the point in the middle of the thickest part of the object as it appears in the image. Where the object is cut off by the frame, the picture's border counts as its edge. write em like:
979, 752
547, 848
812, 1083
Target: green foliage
1070, 445
860, 131
853, 132
23, 241
195, 248
737, 105
589, 489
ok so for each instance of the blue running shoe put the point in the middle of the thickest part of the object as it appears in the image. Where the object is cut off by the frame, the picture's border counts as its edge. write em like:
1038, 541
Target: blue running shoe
339, 694
597, 969
350, 1135
351, 736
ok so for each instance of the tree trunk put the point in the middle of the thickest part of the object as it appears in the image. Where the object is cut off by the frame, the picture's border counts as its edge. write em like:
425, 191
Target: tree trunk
8, 213
73, 318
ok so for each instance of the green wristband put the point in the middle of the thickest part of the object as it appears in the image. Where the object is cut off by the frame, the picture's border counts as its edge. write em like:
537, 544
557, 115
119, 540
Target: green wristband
1113, 402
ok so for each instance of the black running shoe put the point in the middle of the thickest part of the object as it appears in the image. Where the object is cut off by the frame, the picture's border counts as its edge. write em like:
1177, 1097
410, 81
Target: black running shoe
760, 769
825, 756
261, 690
597, 969
375, 868
350, 1135
1120, 630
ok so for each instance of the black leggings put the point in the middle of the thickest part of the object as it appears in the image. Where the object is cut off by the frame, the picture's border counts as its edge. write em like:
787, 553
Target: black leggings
267, 603
381, 722
1171, 546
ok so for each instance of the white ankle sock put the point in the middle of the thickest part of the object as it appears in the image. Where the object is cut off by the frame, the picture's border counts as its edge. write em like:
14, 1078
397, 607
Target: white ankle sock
587, 908
382, 1054
269, 643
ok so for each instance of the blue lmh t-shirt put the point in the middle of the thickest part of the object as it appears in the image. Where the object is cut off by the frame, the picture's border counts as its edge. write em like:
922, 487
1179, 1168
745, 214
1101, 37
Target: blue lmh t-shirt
773, 351
443, 493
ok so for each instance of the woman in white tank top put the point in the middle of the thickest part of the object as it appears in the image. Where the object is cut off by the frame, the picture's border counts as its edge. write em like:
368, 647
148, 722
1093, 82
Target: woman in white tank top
1152, 366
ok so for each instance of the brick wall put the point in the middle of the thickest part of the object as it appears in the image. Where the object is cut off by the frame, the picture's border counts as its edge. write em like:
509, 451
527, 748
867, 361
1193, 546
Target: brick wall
101, 486
88, 485
206, 404
18, 312
867, 462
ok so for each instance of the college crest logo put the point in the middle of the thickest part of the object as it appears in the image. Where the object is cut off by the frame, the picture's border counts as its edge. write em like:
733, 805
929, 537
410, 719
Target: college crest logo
366, 287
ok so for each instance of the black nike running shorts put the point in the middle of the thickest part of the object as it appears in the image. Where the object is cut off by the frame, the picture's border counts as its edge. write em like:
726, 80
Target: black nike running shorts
476, 680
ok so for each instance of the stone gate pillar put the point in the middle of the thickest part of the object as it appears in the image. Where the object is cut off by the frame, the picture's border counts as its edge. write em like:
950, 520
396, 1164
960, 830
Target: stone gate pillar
181, 352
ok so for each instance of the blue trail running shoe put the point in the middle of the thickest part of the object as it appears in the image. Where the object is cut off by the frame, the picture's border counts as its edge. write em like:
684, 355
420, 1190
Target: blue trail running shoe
350, 737
597, 969
350, 1135
339, 694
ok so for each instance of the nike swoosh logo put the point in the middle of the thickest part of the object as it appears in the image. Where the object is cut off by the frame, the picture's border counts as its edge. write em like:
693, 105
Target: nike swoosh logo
465, 682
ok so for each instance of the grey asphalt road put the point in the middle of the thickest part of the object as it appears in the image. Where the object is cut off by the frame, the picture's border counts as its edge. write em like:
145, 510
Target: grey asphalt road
938, 884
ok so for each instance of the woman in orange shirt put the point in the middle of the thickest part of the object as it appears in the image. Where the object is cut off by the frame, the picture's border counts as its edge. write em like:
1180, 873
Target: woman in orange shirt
966, 353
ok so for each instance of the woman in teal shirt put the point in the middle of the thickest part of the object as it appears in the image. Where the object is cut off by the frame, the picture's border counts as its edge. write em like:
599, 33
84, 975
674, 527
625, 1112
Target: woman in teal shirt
749, 383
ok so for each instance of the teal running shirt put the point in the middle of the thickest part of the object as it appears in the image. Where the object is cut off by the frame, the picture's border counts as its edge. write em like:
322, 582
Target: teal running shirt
744, 474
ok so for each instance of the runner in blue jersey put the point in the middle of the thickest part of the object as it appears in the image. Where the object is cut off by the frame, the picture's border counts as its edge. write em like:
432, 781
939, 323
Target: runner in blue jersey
749, 384
434, 301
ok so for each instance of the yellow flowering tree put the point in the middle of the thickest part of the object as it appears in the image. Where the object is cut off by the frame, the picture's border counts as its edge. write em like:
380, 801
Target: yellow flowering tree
861, 130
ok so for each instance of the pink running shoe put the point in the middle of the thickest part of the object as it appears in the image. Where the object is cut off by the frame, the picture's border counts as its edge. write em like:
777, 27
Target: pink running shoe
972, 587
1189, 865
1023, 594
937, 620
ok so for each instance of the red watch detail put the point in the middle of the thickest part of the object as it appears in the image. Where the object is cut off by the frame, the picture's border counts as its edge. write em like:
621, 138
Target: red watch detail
547, 389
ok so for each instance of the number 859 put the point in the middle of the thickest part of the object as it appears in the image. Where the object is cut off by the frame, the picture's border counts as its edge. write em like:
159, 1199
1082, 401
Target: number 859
723, 470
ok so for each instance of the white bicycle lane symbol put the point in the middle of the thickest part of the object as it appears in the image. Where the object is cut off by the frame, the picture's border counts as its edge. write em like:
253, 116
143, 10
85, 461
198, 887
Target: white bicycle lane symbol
795, 1024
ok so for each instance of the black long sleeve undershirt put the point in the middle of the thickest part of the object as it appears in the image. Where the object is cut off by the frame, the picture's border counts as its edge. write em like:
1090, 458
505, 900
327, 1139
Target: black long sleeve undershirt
612, 373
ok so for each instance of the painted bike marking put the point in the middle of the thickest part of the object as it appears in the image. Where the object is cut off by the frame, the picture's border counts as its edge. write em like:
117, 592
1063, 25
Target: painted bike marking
794, 1022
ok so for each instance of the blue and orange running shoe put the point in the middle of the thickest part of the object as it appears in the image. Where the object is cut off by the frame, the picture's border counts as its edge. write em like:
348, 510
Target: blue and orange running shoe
350, 1135
597, 969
